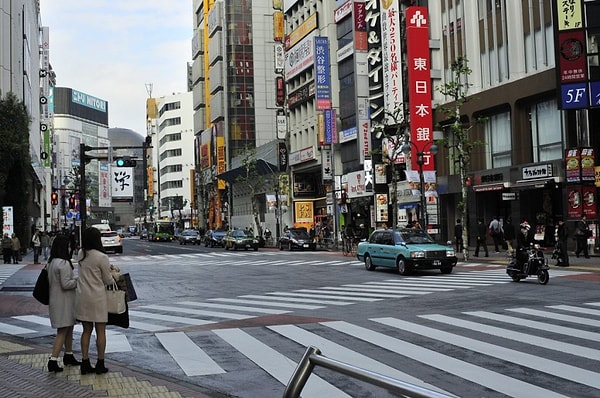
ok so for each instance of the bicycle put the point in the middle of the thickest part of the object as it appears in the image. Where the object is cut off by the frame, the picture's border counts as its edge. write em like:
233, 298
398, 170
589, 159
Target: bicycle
325, 243
349, 246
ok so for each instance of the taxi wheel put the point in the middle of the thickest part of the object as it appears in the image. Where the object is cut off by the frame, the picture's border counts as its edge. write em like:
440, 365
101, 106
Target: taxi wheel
401, 267
369, 263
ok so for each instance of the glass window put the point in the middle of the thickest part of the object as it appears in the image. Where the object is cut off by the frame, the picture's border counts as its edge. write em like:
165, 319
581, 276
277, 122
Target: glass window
498, 139
546, 130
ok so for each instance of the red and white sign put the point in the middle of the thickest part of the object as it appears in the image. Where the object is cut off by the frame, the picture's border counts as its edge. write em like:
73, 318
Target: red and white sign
419, 80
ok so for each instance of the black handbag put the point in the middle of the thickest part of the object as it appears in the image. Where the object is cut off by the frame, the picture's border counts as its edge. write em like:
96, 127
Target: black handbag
121, 320
41, 291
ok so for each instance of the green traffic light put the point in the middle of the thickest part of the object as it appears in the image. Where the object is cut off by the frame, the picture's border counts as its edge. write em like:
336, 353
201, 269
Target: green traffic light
120, 162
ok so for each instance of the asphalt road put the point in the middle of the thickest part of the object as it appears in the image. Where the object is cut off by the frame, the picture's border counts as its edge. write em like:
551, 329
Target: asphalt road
238, 322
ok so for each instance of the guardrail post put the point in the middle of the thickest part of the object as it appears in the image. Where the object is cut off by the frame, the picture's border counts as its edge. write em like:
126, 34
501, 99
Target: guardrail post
301, 374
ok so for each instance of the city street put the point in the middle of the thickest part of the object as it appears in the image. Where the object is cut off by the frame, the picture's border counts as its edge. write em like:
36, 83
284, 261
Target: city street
237, 323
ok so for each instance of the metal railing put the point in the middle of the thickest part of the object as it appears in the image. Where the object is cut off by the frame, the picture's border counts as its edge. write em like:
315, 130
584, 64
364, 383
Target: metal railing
312, 357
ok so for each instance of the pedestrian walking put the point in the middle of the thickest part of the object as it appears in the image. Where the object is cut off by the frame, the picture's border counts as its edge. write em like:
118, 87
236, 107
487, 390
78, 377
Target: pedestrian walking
509, 235
6, 248
36, 244
481, 238
16, 248
562, 237
45, 244
496, 231
458, 239
61, 306
582, 233
91, 307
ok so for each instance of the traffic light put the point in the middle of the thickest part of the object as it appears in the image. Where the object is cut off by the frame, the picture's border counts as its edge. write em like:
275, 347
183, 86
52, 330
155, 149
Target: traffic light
150, 207
54, 199
71, 202
125, 161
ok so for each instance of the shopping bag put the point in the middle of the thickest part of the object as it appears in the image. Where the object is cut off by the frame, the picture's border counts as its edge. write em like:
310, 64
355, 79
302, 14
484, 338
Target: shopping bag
41, 291
121, 320
115, 299
131, 294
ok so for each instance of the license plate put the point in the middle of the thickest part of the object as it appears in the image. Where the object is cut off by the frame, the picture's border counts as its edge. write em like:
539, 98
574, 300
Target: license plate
437, 262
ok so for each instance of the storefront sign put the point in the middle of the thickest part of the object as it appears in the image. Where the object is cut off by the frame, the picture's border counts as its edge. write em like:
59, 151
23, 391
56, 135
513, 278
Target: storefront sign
535, 172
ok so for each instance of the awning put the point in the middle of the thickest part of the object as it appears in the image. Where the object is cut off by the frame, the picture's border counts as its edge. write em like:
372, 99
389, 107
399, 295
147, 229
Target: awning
499, 186
536, 183
262, 168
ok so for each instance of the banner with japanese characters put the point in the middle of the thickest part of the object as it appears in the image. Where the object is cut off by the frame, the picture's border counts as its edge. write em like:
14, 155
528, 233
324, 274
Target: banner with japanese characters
122, 184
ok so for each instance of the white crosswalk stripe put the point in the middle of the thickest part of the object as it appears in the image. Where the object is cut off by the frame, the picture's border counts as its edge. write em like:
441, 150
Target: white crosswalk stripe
8, 270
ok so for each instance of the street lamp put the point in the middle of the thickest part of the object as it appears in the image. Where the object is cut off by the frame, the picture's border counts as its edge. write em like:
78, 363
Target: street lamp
421, 154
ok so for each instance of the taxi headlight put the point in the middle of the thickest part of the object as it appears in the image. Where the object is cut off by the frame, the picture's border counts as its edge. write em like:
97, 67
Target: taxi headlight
417, 254
449, 253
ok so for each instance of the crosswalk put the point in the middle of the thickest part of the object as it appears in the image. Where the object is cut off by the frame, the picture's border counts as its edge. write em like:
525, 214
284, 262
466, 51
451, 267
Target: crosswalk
513, 352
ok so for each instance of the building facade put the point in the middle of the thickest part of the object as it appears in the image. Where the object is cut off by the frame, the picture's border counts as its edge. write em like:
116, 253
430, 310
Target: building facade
23, 51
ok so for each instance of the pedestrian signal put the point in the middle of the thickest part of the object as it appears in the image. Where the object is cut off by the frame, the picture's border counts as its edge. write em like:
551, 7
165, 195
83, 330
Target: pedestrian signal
54, 198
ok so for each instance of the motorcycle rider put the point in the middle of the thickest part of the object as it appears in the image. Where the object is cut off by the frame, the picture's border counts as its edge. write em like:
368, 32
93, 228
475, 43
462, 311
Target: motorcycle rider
524, 241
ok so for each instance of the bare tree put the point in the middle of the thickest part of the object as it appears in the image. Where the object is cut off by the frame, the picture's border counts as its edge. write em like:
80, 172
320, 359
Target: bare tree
254, 182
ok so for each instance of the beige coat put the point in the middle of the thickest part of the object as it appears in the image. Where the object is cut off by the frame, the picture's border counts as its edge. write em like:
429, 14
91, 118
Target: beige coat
94, 275
61, 307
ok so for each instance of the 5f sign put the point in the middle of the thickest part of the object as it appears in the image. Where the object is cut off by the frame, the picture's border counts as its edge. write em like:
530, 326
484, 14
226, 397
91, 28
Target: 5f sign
574, 96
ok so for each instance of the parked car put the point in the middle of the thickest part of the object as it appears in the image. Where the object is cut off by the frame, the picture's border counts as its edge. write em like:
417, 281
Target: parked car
237, 239
111, 241
190, 236
297, 239
405, 250
214, 238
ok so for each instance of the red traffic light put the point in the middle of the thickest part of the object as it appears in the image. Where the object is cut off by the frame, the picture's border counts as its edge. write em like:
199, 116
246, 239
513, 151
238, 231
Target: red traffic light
71, 203
54, 199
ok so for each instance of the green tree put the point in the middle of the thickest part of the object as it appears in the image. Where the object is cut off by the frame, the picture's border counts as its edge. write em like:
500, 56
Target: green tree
459, 140
15, 178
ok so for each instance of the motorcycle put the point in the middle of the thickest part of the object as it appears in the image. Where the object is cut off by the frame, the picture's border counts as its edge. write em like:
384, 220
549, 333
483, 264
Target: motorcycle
533, 263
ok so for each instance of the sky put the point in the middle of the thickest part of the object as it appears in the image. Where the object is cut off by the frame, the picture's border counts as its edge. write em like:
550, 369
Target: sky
113, 49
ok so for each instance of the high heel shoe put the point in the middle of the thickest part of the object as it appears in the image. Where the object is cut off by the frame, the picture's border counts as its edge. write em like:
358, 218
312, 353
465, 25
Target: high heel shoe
53, 366
100, 368
69, 359
86, 367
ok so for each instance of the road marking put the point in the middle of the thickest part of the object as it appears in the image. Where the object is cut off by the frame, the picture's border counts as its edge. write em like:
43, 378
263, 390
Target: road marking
544, 326
256, 302
338, 352
526, 338
578, 310
234, 307
476, 374
408, 287
559, 317
190, 358
424, 285
169, 318
348, 294
14, 330
325, 296
276, 364
226, 315
360, 288
568, 372
297, 300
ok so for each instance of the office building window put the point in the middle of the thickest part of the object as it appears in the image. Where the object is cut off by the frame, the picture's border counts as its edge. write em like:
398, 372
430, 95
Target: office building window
498, 140
547, 131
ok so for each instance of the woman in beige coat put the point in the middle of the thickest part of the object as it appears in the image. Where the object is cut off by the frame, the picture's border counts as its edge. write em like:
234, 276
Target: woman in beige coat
61, 307
91, 308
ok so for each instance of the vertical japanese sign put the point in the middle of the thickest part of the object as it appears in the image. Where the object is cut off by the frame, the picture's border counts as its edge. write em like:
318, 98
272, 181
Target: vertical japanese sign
104, 198
322, 72
360, 26
419, 80
572, 159
330, 126
392, 65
